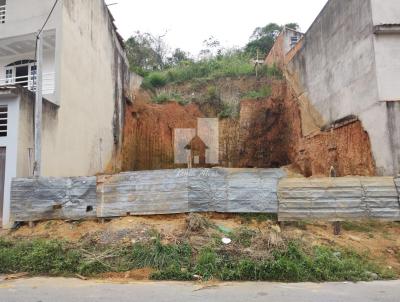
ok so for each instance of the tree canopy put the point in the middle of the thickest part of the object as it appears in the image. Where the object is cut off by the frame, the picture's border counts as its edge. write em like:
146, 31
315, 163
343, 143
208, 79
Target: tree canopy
263, 38
147, 52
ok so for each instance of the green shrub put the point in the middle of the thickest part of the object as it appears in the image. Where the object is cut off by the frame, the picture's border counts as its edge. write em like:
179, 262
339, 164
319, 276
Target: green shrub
232, 64
165, 97
207, 263
159, 256
263, 93
228, 111
38, 257
154, 80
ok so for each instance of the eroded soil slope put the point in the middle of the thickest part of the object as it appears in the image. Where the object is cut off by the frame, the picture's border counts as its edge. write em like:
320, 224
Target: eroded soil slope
255, 130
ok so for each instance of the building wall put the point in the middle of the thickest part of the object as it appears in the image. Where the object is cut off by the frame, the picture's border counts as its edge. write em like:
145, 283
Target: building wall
387, 49
86, 135
28, 16
276, 56
10, 142
26, 130
335, 73
281, 47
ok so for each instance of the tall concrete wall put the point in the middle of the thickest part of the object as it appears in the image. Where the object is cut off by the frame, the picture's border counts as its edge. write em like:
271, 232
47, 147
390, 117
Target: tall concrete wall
92, 76
335, 73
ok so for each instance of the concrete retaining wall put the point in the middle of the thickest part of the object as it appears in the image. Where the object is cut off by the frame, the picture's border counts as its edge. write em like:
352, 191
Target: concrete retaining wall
336, 199
206, 190
47, 198
182, 191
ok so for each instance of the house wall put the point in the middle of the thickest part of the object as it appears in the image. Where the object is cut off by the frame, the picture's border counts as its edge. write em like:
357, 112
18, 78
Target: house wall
86, 135
281, 47
28, 16
10, 142
387, 50
335, 73
276, 56
26, 130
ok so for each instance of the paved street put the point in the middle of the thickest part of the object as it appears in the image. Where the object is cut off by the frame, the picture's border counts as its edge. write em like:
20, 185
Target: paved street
72, 290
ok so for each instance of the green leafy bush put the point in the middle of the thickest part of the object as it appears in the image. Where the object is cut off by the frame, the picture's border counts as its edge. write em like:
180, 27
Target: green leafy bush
165, 97
154, 80
228, 111
263, 93
38, 257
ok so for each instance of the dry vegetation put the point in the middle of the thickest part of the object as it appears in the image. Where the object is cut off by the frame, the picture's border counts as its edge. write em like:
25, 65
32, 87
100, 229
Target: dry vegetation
189, 247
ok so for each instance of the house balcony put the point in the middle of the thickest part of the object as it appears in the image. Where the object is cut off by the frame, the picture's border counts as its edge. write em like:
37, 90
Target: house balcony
2, 13
29, 82
18, 65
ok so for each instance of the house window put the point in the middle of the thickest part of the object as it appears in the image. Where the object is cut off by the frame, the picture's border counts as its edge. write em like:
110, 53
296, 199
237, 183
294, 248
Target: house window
9, 75
293, 41
3, 120
2, 11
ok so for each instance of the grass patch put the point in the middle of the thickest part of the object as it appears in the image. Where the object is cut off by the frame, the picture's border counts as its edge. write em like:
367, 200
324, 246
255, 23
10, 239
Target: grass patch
361, 227
165, 97
234, 64
38, 257
263, 93
291, 263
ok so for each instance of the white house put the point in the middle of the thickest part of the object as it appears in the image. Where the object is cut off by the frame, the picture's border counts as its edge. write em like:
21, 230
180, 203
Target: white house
86, 82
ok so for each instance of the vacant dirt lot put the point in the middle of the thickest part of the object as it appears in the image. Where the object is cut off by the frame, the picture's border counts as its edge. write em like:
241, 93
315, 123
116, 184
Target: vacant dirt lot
253, 234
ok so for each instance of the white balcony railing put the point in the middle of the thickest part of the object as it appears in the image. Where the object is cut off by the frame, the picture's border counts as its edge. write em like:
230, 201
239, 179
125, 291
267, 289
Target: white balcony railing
29, 82
2, 14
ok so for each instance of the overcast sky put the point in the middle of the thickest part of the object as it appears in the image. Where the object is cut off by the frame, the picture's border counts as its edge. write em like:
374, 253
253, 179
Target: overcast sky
189, 23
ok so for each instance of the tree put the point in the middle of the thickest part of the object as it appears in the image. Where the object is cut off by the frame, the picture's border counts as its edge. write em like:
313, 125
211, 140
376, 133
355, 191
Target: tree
212, 47
177, 57
294, 26
263, 38
146, 52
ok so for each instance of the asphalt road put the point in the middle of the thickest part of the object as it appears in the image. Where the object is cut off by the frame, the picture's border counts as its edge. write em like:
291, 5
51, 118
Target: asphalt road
71, 290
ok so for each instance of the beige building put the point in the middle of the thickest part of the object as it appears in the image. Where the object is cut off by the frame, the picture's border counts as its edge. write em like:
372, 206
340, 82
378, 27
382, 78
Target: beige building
86, 82
346, 66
